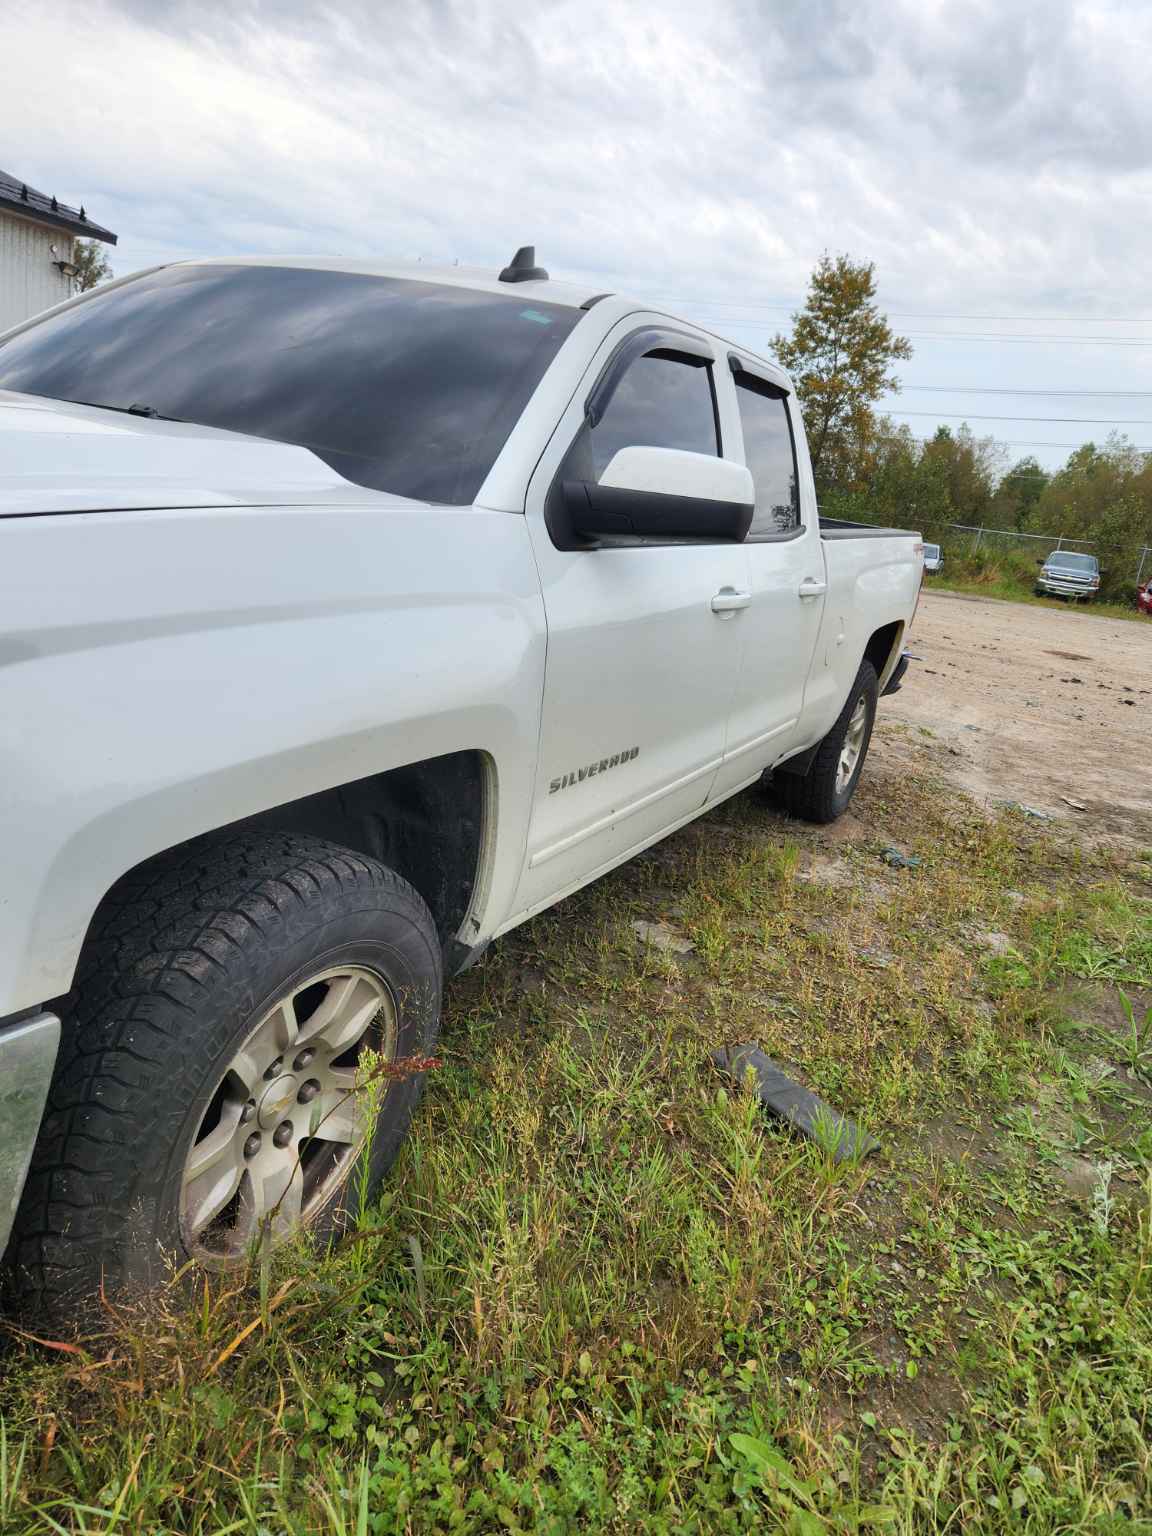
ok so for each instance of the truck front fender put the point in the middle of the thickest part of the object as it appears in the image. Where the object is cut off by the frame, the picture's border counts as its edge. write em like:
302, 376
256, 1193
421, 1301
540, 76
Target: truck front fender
165, 673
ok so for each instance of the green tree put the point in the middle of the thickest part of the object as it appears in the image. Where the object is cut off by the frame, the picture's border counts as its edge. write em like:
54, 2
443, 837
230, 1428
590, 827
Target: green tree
92, 265
968, 466
840, 354
1102, 495
908, 487
1018, 492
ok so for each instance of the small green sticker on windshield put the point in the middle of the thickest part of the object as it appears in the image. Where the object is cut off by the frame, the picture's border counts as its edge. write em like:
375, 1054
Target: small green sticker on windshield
535, 316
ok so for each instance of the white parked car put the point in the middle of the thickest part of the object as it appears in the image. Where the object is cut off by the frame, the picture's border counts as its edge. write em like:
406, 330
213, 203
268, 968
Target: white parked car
348, 617
933, 558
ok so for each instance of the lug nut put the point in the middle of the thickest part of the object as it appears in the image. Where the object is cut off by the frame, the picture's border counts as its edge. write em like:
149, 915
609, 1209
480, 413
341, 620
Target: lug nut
252, 1145
282, 1134
303, 1059
247, 1112
308, 1091
275, 1069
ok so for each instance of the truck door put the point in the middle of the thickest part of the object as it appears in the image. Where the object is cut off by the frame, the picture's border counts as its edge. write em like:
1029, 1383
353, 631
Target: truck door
644, 636
788, 581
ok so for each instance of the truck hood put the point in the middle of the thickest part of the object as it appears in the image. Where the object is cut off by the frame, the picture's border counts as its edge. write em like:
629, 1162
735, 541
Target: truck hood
58, 457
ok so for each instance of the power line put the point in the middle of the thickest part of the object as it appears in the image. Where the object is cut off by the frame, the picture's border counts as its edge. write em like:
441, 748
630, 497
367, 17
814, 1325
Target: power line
1039, 336
1032, 442
1095, 421
1043, 337
983, 389
919, 314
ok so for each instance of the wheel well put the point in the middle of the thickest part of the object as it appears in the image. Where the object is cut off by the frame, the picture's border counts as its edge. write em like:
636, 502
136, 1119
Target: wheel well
426, 821
881, 646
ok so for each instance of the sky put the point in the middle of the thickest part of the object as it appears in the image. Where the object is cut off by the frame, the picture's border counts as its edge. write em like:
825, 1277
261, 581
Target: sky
993, 158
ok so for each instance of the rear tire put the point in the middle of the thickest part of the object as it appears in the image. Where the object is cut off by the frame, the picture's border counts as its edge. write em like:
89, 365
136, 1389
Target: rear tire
198, 966
824, 792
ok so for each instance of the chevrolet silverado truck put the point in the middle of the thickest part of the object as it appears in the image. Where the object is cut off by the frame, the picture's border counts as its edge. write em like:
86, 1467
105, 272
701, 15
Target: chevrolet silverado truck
349, 616
1067, 573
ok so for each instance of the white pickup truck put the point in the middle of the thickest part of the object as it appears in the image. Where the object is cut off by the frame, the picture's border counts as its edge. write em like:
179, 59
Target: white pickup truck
348, 617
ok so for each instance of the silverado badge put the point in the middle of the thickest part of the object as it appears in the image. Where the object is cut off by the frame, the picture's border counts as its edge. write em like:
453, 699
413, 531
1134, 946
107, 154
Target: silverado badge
578, 775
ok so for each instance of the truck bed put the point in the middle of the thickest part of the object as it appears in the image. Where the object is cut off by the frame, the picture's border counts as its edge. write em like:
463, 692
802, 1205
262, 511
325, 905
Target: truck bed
844, 528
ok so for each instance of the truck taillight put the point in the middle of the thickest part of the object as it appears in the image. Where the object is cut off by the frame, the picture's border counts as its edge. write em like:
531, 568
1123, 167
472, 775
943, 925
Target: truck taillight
918, 549
919, 594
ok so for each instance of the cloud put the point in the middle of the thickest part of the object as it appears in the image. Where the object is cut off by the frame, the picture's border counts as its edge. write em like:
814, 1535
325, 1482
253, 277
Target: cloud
988, 158
665, 141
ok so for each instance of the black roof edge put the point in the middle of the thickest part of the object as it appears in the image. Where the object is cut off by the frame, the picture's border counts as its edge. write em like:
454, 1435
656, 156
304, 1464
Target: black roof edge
595, 299
73, 223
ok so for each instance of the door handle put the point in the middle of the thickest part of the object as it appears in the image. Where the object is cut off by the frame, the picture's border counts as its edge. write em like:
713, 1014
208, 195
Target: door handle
728, 600
810, 587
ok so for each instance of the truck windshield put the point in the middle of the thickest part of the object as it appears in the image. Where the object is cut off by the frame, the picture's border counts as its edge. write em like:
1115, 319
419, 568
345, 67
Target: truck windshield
1072, 561
403, 386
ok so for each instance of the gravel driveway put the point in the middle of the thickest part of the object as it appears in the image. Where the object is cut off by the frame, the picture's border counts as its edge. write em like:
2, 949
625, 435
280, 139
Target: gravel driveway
1036, 705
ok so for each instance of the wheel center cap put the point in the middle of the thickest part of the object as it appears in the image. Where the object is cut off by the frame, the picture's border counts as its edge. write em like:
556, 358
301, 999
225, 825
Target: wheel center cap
275, 1101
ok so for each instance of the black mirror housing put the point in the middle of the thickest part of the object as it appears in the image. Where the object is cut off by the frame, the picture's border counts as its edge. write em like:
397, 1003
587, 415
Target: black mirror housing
604, 511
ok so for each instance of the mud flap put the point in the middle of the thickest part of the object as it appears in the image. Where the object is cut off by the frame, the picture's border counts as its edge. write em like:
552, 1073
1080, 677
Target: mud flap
898, 671
842, 1139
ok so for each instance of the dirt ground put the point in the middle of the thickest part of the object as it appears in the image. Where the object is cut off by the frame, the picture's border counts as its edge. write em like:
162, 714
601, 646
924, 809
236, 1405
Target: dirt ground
1049, 709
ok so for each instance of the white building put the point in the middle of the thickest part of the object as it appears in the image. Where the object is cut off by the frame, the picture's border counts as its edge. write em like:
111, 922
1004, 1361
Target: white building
36, 239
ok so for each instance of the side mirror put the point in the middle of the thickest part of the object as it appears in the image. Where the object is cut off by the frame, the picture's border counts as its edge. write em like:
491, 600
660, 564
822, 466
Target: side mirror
664, 493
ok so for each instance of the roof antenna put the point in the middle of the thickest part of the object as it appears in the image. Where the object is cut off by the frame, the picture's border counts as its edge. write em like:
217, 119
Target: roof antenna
522, 268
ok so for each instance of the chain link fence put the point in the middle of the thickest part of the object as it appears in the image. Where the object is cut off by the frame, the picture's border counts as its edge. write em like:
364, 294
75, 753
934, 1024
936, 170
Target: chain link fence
1123, 566
1138, 556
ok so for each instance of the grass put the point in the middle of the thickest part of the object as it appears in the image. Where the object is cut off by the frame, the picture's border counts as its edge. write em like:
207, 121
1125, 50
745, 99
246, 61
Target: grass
1008, 589
985, 570
603, 1293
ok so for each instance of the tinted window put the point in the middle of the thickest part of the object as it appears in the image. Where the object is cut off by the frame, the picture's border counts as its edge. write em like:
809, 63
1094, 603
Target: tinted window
768, 454
402, 386
1072, 560
661, 402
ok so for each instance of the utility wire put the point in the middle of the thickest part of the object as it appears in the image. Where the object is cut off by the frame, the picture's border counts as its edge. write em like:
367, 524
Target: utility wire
918, 314
1038, 336
1031, 442
982, 389
1095, 421
1041, 337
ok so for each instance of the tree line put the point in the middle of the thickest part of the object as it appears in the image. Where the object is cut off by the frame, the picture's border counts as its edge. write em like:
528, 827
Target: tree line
841, 352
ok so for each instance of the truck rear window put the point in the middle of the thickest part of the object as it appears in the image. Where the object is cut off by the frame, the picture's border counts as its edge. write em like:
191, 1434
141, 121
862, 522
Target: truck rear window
403, 386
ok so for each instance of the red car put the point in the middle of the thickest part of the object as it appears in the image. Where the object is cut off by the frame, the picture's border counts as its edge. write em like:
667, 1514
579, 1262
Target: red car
1144, 597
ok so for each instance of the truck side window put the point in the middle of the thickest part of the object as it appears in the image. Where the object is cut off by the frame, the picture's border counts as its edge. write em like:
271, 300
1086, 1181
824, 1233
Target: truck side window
770, 455
662, 401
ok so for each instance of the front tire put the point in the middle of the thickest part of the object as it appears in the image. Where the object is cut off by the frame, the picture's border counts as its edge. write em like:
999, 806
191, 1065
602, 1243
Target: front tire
824, 792
210, 1091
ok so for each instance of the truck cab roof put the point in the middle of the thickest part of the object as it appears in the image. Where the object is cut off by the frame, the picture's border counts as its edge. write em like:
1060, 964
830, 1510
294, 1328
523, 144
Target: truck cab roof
568, 294
482, 279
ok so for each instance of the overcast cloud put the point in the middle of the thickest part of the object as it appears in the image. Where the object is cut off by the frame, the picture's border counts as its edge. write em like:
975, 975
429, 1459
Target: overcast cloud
991, 158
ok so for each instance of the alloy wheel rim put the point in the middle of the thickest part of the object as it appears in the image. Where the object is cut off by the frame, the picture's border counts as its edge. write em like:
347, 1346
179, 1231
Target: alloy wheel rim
853, 744
289, 1115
